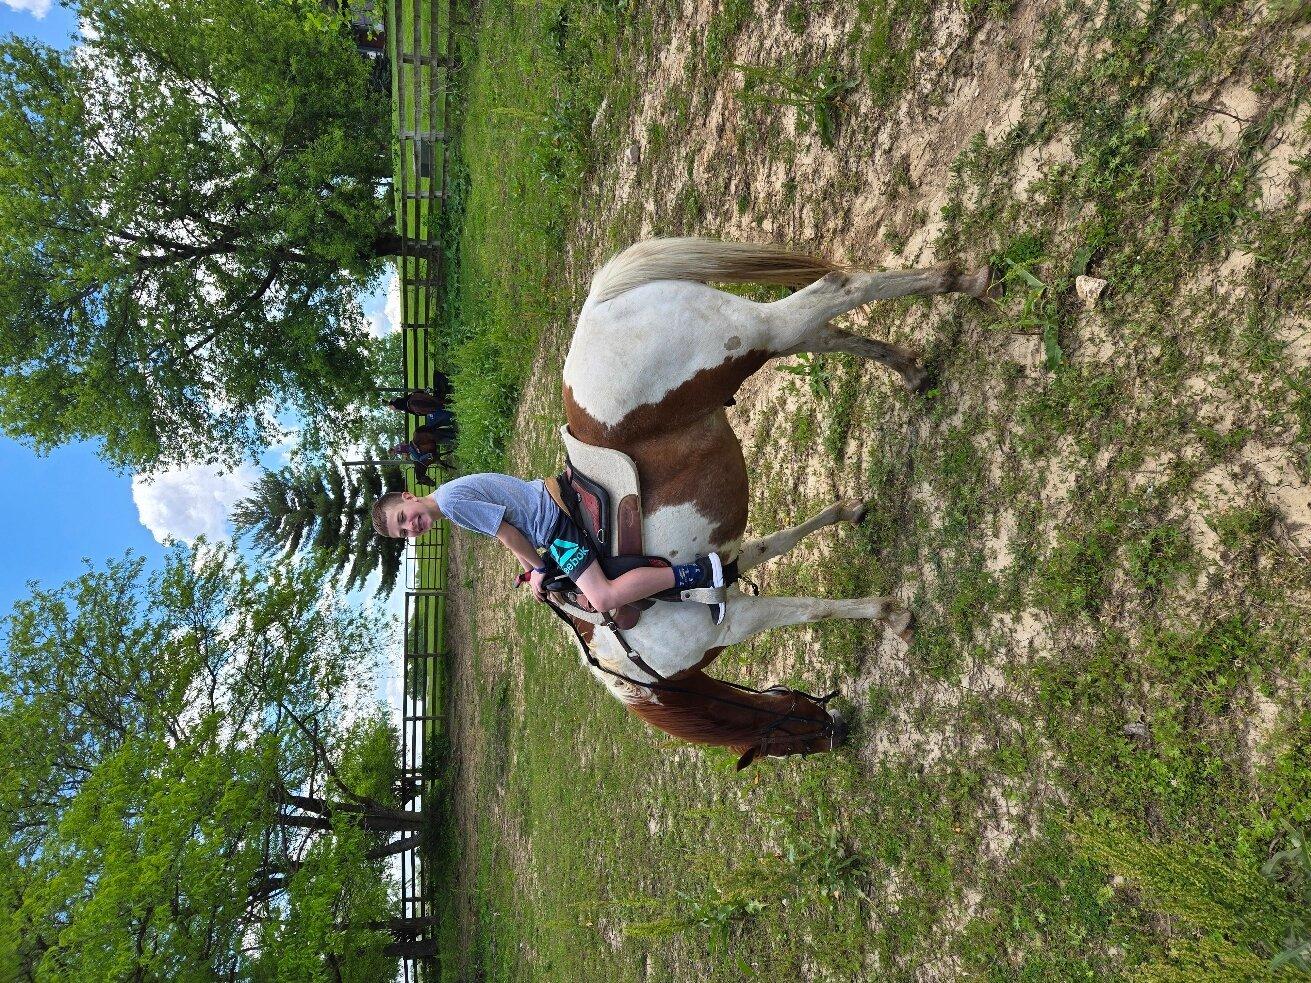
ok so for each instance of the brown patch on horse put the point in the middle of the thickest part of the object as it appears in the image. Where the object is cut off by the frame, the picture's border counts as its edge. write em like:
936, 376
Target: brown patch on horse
699, 396
683, 446
703, 710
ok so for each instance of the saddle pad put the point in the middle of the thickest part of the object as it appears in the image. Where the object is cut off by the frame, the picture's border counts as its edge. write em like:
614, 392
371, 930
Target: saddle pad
616, 472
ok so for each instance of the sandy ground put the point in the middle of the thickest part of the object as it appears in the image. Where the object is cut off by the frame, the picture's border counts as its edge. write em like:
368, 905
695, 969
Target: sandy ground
873, 201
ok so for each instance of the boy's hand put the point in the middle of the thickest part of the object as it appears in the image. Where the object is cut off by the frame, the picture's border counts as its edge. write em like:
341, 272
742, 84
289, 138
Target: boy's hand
535, 582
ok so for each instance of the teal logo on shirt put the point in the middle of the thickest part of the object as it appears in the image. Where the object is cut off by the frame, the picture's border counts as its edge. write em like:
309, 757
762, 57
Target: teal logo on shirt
567, 554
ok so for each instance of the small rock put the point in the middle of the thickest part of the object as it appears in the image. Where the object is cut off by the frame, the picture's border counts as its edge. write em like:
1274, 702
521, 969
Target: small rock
1089, 288
1137, 729
633, 155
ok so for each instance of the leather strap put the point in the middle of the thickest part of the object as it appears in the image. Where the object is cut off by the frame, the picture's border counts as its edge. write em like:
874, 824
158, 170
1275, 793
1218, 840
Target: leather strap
553, 489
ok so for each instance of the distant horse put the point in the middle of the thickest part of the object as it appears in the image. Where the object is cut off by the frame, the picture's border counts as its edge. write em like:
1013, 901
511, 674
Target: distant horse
656, 356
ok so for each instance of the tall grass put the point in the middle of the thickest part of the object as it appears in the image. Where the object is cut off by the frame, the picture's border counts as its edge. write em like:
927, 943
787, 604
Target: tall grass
525, 143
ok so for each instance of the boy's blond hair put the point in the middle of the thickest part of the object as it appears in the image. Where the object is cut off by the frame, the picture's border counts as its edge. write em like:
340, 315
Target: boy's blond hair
379, 513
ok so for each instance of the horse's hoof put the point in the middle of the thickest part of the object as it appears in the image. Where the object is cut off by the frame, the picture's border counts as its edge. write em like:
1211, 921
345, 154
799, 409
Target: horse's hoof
903, 623
854, 510
917, 380
977, 284
840, 728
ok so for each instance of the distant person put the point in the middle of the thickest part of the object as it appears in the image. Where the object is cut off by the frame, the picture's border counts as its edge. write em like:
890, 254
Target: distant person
430, 445
429, 404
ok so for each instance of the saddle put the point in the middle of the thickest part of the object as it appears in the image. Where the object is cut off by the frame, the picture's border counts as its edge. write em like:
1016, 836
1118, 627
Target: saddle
600, 491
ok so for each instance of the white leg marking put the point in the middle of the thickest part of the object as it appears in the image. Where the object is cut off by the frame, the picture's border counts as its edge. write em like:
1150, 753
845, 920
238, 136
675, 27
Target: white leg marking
748, 616
758, 551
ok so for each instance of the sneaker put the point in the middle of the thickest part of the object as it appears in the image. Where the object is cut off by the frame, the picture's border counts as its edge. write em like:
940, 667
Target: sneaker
717, 611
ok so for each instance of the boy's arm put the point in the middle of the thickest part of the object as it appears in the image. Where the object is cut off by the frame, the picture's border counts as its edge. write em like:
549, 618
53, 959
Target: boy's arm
518, 544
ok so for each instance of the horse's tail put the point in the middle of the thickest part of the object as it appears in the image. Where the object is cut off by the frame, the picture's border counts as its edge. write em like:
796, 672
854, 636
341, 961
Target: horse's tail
704, 260
705, 710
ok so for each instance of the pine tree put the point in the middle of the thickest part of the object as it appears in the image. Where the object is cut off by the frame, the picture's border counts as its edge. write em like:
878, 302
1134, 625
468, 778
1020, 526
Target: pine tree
323, 512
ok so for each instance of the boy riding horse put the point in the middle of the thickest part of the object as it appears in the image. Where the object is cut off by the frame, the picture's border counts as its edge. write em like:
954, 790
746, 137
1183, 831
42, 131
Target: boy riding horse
526, 520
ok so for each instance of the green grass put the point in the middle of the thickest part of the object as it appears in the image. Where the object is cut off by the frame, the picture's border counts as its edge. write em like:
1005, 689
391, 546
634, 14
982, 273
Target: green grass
525, 142
1093, 804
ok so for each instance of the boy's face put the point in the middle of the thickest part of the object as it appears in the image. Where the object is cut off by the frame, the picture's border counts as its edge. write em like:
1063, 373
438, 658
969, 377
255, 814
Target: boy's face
411, 517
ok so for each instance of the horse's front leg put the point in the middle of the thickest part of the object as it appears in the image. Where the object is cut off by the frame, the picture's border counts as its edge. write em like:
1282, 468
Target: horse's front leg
767, 548
748, 616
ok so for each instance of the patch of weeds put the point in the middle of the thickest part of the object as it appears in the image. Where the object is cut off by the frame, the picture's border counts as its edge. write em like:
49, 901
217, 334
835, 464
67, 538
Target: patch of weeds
816, 93
724, 26
814, 862
1220, 446
656, 135
1230, 917
1073, 577
1076, 401
888, 34
1300, 403
961, 474
689, 208
1207, 663
1047, 916
885, 523
1291, 866
814, 370
797, 17
895, 239
803, 429
842, 407
1158, 559
1239, 528
1038, 308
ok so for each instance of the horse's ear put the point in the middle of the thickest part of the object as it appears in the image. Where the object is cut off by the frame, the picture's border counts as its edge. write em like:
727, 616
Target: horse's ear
748, 757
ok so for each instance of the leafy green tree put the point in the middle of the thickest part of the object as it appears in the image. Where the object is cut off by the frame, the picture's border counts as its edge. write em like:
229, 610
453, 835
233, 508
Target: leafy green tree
183, 777
323, 512
193, 199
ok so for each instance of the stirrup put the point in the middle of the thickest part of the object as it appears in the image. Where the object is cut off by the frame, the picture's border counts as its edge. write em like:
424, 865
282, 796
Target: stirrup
704, 595
713, 596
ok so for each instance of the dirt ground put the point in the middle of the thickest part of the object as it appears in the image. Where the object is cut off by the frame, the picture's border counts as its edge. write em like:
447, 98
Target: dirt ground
688, 161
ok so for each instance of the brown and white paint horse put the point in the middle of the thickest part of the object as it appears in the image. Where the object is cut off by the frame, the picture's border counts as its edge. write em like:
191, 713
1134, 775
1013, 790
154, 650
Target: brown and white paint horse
656, 355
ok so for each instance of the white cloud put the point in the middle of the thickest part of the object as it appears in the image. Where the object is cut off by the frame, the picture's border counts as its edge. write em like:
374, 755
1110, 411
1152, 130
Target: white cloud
382, 308
394, 301
37, 8
190, 502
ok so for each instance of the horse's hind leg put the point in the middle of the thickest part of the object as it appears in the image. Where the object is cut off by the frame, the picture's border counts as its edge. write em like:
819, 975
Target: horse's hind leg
804, 316
767, 548
748, 616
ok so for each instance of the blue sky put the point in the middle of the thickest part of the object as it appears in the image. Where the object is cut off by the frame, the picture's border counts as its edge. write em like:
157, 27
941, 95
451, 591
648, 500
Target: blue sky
58, 509
54, 27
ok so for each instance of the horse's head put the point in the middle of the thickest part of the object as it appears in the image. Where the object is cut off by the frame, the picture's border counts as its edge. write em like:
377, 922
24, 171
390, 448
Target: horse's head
807, 727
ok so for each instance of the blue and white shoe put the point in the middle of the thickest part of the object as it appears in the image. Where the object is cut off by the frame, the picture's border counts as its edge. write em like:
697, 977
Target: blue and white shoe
718, 609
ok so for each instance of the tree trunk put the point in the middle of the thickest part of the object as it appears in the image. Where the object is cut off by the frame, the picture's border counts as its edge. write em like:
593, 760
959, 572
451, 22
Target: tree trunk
372, 823
370, 813
387, 244
398, 846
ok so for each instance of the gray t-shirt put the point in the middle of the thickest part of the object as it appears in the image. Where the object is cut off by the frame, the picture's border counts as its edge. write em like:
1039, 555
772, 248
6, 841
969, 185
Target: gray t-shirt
481, 502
